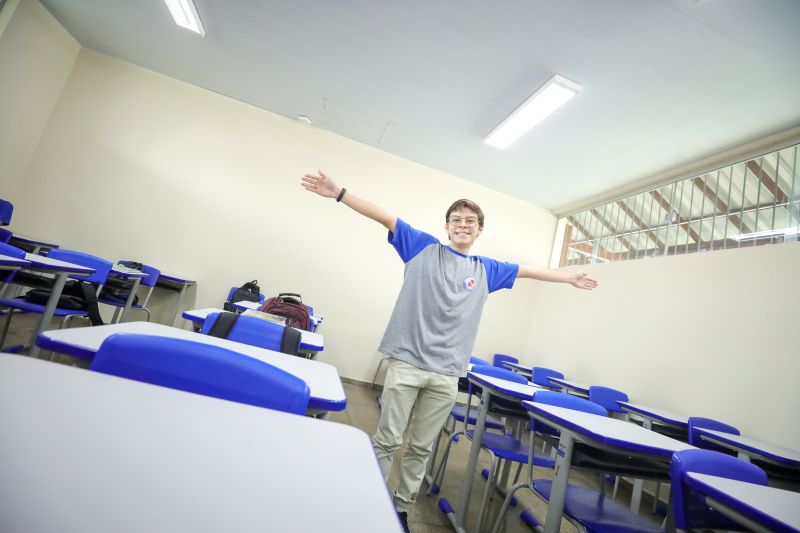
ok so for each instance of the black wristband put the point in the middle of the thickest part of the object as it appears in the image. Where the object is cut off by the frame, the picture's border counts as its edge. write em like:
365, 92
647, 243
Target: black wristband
341, 195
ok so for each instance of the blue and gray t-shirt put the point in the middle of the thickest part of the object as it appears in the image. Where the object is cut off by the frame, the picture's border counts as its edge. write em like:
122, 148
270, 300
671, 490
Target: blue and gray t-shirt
436, 317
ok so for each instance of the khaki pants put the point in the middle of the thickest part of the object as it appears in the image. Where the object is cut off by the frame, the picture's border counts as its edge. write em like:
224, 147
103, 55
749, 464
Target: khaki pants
432, 396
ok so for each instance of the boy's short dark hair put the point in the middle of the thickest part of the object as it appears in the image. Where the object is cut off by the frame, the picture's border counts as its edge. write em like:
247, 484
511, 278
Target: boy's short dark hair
469, 204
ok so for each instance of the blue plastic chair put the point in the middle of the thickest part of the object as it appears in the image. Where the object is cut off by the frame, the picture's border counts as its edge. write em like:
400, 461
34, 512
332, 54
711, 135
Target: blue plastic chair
501, 447
690, 509
709, 423
201, 369
150, 281
6, 211
499, 359
458, 414
5, 235
540, 375
549, 398
101, 266
588, 509
253, 331
608, 398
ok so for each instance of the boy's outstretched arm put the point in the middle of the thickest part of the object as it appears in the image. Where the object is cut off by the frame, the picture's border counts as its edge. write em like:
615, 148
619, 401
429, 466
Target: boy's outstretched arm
326, 187
577, 279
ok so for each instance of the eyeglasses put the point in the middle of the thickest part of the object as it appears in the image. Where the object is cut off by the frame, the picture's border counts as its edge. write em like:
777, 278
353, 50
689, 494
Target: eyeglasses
470, 222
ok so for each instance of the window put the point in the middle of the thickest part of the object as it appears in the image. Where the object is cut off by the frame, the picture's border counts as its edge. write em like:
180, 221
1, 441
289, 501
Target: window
749, 203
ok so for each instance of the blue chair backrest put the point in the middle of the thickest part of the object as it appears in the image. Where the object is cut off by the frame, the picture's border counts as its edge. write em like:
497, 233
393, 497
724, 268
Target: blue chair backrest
152, 276
568, 401
250, 330
708, 423
310, 309
478, 361
101, 266
202, 369
690, 509
12, 251
5, 235
499, 359
7, 276
6, 210
539, 375
607, 397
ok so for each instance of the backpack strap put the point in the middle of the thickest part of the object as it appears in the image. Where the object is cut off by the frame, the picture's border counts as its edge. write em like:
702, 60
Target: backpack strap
290, 342
90, 297
223, 325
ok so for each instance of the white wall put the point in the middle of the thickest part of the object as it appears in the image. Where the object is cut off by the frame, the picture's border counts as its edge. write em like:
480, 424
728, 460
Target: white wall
136, 165
712, 334
36, 56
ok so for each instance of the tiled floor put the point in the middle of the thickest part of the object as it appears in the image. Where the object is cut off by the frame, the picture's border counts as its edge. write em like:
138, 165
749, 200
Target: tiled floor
425, 517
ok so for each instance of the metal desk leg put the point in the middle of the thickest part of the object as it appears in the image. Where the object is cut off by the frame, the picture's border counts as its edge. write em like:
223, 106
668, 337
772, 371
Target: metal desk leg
458, 516
49, 309
129, 301
558, 492
178, 305
638, 484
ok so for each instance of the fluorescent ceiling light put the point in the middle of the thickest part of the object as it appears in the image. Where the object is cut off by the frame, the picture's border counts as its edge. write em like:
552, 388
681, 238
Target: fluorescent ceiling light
785, 232
185, 15
544, 101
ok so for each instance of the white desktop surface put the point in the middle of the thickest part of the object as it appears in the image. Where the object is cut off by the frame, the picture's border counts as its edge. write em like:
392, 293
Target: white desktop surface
655, 413
126, 272
322, 379
44, 263
748, 444
574, 385
503, 386
610, 431
85, 452
782, 505
13, 262
517, 367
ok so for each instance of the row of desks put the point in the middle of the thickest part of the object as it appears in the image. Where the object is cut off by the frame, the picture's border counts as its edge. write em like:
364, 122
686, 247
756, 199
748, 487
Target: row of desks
88, 452
619, 439
323, 379
747, 448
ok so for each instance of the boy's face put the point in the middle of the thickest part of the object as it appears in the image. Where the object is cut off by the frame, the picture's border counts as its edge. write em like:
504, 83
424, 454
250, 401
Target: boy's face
462, 228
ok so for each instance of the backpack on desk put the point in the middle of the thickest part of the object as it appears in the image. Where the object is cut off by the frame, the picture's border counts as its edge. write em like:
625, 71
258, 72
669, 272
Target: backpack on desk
249, 292
289, 305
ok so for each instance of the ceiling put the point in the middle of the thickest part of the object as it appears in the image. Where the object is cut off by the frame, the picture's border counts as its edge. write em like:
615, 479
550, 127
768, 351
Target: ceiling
663, 82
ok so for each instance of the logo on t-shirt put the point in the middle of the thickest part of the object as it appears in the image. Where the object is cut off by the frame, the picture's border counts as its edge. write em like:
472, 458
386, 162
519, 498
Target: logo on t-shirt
469, 283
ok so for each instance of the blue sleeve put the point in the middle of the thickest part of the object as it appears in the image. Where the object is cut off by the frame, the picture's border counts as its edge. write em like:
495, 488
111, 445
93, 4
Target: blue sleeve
499, 275
409, 241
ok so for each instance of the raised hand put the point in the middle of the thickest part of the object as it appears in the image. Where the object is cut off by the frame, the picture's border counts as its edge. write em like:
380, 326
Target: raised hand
581, 280
320, 184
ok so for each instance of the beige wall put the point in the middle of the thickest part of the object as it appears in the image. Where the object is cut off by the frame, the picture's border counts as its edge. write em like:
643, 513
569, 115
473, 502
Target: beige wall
137, 165
712, 334
36, 56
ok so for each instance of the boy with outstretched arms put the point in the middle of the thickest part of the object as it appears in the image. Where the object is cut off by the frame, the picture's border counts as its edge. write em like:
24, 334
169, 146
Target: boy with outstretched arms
432, 330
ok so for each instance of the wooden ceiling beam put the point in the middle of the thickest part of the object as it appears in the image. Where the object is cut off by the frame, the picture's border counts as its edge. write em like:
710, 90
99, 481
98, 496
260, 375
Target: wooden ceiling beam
680, 222
722, 208
612, 229
636, 220
771, 185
